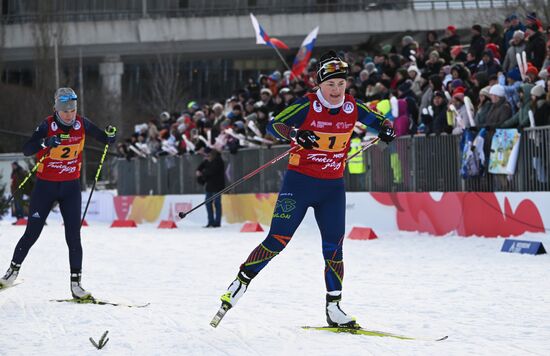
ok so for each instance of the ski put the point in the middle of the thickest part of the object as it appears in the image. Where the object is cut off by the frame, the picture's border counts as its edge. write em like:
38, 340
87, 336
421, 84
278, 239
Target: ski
99, 302
219, 315
367, 332
3, 288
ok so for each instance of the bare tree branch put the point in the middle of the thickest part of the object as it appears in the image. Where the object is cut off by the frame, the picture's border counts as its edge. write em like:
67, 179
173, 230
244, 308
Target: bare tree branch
166, 84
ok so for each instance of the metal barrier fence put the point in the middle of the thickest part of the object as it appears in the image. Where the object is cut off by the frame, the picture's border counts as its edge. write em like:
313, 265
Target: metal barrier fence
417, 164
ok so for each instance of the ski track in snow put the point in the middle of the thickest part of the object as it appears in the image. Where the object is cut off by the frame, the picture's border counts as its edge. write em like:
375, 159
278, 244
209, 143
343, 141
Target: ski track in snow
488, 302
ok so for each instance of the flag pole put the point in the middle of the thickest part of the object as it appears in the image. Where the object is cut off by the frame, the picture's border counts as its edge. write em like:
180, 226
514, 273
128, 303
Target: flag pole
282, 58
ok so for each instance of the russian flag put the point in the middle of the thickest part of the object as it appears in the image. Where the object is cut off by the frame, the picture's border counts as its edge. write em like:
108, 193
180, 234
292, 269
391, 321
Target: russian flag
263, 38
302, 58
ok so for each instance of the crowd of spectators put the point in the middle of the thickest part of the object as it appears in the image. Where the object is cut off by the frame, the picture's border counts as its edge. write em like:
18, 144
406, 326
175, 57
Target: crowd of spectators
432, 85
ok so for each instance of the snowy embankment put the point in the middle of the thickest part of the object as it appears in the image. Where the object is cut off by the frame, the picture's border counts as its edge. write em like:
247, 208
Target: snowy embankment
488, 302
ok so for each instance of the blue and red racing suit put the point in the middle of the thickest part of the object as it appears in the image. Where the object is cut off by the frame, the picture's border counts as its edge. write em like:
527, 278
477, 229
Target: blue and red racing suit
57, 180
314, 179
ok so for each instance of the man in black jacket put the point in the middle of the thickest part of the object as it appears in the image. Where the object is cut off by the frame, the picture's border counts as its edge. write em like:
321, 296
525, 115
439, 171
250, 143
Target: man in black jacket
477, 44
17, 176
536, 46
211, 173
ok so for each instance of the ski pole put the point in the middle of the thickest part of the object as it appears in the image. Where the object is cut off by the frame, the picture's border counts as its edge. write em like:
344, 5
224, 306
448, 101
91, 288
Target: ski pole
109, 130
33, 170
365, 147
182, 214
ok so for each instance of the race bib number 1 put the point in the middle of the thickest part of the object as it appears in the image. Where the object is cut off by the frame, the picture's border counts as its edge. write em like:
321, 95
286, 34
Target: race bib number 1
332, 142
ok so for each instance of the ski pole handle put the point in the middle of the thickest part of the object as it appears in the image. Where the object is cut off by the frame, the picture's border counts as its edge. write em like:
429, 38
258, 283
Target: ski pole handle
29, 175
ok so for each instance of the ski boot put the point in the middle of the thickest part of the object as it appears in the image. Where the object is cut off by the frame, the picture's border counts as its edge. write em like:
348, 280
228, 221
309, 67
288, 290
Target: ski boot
236, 289
76, 288
10, 276
336, 316
234, 292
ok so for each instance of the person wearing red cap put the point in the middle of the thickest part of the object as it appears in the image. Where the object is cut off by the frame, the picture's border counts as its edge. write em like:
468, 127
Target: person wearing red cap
450, 40
451, 29
495, 49
532, 73
458, 55
464, 114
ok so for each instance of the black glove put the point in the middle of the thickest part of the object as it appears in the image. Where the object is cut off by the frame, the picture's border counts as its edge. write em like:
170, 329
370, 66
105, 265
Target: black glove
110, 131
386, 134
52, 141
305, 138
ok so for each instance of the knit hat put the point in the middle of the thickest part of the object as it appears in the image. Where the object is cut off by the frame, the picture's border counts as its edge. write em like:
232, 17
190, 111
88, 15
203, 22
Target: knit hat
192, 105
459, 93
494, 49
497, 90
451, 29
284, 91
275, 76
386, 48
538, 91
331, 67
531, 69
434, 54
532, 17
477, 28
405, 86
266, 91
485, 91
64, 99
457, 83
368, 59
370, 67
407, 40
413, 68
519, 34
514, 74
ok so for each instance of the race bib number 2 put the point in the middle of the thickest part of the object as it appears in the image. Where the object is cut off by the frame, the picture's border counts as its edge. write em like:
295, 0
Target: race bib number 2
65, 153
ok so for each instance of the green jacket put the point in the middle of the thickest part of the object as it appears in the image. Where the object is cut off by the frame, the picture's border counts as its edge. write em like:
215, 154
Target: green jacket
521, 118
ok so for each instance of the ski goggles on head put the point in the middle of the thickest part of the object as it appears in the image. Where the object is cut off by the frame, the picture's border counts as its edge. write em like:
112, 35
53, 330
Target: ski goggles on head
333, 69
335, 66
67, 97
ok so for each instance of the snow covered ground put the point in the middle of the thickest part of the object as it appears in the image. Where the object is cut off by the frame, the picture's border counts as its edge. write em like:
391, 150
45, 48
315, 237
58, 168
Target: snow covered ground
488, 302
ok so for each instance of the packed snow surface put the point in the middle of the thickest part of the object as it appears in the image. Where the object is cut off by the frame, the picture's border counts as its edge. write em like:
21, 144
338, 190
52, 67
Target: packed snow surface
487, 301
